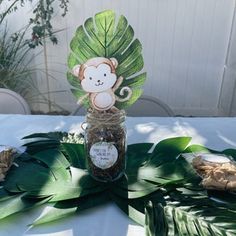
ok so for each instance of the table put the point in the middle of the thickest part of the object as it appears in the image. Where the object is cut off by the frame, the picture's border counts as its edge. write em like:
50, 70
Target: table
215, 133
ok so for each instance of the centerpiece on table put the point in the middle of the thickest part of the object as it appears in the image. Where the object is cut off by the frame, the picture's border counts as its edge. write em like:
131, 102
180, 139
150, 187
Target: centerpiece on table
104, 62
160, 189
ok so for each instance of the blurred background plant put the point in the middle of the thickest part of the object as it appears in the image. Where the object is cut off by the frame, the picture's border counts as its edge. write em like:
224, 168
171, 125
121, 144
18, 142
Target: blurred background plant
40, 21
16, 48
15, 74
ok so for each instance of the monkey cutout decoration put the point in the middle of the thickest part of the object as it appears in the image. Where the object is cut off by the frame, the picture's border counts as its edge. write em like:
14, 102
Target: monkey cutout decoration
99, 80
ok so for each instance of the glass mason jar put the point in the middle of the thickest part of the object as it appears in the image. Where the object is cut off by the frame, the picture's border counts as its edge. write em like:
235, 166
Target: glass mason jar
105, 145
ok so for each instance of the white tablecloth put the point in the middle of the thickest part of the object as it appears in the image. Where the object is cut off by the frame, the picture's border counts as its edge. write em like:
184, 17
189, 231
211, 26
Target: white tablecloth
216, 133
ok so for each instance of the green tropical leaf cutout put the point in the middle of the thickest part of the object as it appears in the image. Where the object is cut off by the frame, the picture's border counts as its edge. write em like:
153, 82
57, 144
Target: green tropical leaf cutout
199, 219
19, 203
50, 176
155, 221
160, 190
107, 35
62, 209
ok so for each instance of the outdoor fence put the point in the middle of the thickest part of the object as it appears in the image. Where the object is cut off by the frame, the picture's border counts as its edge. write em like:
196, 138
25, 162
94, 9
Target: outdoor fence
188, 46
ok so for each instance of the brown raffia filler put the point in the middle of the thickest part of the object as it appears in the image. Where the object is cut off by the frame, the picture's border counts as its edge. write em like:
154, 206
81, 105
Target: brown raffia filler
106, 128
6, 160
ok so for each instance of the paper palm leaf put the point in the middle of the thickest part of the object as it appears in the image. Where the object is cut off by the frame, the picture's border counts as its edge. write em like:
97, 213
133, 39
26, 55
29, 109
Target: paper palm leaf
192, 215
103, 36
161, 190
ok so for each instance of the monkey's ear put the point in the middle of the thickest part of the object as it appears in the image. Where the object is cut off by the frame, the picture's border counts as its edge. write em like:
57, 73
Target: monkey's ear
114, 62
75, 70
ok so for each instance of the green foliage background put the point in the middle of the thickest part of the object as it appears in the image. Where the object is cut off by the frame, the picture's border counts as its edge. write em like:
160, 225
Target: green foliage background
106, 36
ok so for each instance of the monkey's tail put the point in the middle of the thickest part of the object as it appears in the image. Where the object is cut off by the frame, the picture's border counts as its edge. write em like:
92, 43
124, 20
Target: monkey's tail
124, 90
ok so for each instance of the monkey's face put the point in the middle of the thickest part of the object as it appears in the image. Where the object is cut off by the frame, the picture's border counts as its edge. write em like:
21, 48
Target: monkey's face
98, 79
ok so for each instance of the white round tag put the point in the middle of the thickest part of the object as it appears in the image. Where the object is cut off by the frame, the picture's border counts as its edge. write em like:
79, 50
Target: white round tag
103, 155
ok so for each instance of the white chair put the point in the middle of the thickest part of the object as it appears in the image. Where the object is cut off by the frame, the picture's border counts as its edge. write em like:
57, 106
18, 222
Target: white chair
145, 106
12, 103
149, 106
